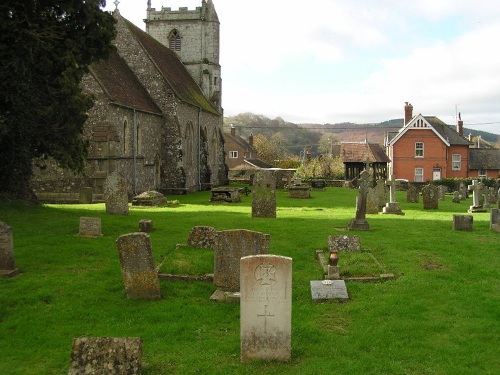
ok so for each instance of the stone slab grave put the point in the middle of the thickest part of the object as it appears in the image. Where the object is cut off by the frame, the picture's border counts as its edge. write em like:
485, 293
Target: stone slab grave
138, 267
85, 195
202, 237
146, 226
359, 222
115, 194
412, 194
149, 198
301, 191
430, 197
462, 222
264, 195
266, 308
230, 247
106, 355
90, 227
344, 243
322, 290
225, 194
495, 219
7, 267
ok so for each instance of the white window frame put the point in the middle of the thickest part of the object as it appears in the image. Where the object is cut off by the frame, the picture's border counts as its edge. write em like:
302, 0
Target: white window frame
456, 162
482, 173
419, 177
233, 154
419, 150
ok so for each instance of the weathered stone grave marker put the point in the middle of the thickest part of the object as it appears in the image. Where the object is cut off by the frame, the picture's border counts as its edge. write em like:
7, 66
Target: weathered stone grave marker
115, 194
462, 222
230, 247
430, 197
462, 189
495, 219
476, 188
90, 227
266, 308
442, 192
202, 237
264, 195
359, 222
392, 207
412, 194
138, 267
375, 198
146, 226
456, 197
7, 267
106, 355
344, 243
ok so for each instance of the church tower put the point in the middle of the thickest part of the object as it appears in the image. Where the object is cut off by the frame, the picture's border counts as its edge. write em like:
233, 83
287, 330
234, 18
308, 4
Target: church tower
194, 36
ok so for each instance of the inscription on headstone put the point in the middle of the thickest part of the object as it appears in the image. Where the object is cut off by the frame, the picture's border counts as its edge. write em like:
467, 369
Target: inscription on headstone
106, 355
90, 227
266, 308
138, 267
115, 194
264, 195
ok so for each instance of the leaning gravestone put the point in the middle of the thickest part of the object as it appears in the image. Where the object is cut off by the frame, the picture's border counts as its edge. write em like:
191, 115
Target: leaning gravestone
266, 308
359, 222
495, 219
138, 267
7, 267
230, 247
412, 194
106, 355
202, 237
344, 243
430, 197
264, 195
115, 194
90, 227
463, 222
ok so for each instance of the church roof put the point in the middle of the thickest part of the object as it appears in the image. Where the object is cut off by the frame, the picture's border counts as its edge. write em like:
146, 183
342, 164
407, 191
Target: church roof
121, 85
362, 152
172, 69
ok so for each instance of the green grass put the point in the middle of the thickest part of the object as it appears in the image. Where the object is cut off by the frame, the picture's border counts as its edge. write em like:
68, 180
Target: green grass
440, 315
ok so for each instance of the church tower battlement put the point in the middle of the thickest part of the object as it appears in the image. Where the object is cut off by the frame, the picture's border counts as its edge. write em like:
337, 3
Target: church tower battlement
194, 36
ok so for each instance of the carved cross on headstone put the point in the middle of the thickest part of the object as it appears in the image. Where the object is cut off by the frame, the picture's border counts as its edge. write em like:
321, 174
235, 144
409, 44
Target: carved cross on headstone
391, 182
475, 187
266, 315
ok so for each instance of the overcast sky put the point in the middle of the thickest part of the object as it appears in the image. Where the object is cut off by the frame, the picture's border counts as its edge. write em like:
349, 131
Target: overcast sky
330, 61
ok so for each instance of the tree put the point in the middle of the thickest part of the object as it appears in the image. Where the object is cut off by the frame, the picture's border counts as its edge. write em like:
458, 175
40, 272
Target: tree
45, 49
270, 151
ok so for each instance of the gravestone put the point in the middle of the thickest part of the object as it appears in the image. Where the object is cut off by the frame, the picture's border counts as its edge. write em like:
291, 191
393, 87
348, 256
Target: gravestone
381, 193
230, 247
462, 189
372, 201
442, 192
302, 191
138, 267
7, 267
476, 188
344, 243
492, 197
115, 194
456, 197
322, 290
412, 194
106, 355
266, 308
146, 226
462, 222
392, 207
430, 197
85, 196
359, 222
90, 227
264, 195
486, 196
149, 198
495, 219
202, 237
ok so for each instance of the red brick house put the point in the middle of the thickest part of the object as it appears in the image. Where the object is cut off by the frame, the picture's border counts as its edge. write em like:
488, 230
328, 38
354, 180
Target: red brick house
238, 150
426, 149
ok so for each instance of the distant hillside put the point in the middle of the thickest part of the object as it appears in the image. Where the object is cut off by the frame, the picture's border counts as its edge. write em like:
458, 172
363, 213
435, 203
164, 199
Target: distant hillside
296, 137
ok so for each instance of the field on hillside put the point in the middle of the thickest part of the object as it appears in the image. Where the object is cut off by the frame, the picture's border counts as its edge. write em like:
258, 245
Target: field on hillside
439, 315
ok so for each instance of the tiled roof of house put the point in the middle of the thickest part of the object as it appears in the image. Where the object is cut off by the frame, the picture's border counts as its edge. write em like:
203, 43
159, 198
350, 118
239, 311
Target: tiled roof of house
172, 69
482, 158
121, 85
258, 163
446, 131
240, 142
362, 152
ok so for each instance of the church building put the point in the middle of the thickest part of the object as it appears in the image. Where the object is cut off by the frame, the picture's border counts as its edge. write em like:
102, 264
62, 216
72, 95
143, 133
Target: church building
157, 117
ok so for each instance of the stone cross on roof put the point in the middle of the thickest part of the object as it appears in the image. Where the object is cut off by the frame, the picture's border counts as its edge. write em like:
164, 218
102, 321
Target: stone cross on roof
116, 2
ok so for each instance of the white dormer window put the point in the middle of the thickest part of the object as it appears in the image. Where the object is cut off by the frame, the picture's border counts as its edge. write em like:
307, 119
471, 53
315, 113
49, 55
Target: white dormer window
419, 149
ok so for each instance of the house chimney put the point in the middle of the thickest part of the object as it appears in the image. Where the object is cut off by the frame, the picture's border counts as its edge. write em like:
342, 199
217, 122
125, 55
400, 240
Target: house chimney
460, 125
250, 140
233, 130
408, 112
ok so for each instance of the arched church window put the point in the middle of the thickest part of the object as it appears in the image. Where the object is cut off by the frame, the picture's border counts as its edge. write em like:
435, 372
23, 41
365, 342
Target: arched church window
174, 41
126, 138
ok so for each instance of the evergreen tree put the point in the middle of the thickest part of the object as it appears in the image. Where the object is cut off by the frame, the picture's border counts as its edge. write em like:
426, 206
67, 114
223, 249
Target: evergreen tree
45, 49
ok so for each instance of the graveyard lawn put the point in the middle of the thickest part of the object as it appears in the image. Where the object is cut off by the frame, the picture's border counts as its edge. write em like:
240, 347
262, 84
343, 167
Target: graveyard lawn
439, 315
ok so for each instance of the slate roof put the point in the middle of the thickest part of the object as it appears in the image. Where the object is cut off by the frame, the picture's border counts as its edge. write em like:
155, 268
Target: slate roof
121, 85
481, 158
172, 69
240, 142
362, 152
446, 131
258, 163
